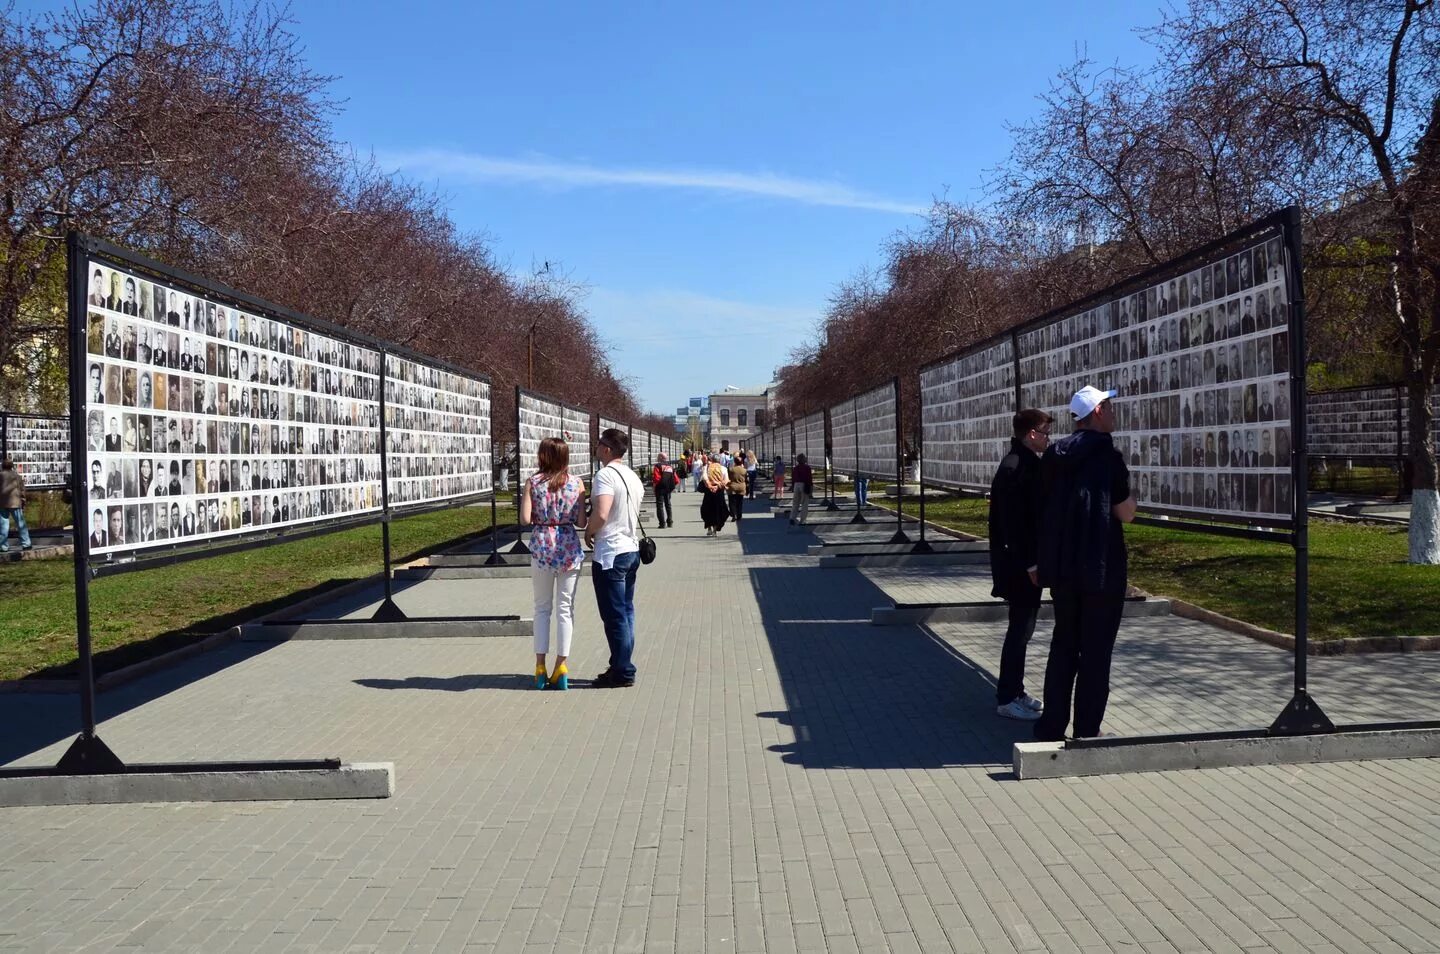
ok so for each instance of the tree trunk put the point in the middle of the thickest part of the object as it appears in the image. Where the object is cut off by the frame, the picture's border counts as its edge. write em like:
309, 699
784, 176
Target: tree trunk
1424, 500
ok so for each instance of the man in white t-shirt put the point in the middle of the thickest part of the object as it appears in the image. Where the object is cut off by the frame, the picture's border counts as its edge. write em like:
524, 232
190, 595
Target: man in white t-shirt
614, 531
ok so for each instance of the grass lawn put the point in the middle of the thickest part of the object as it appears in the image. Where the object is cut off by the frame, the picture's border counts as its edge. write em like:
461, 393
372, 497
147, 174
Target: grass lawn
1360, 584
137, 615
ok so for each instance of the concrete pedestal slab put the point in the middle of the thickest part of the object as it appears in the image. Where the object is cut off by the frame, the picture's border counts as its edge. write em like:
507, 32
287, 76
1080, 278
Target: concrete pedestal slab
903, 614
1124, 756
282, 630
838, 561
357, 780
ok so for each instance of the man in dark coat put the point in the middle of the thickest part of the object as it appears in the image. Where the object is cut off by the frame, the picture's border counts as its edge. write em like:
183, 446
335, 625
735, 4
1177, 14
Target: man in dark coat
1085, 486
1014, 535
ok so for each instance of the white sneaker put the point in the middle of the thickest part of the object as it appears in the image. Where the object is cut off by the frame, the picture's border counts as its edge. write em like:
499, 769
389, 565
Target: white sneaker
1015, 709
1031, 703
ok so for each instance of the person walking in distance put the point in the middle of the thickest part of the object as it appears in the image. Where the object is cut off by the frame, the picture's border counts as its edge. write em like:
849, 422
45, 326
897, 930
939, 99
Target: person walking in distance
12, 503
614, 531
553, 505
739, 483
1085, 491
752, 473
779, 468
1014, 528
664, 480
682, 472
802, 488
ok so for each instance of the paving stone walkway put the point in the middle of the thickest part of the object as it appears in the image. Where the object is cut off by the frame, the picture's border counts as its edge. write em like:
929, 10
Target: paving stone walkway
784, 777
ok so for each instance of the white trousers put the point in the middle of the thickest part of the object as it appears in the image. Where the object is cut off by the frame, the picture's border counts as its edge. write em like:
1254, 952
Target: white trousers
554, 596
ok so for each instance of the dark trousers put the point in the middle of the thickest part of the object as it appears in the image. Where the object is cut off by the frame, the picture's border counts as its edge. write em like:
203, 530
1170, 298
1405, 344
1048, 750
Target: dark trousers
615, 598
1023, 612
737, 506
1085, 628
663, 515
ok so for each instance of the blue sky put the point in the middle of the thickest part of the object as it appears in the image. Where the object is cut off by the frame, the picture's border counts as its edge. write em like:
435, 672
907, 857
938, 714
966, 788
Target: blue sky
710, 171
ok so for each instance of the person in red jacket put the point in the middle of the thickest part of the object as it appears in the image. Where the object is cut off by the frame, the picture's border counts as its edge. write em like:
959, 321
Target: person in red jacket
664, 480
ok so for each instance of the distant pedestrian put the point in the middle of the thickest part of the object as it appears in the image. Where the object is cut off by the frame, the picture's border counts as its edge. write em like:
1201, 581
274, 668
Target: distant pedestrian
614, 531
664, 480
752, 473
739, 482
1014, 537
1085, 488
554, 506
714, 508
802, 488
12, 502
697, 470
504, 472
779, 473
862, 491
682, 471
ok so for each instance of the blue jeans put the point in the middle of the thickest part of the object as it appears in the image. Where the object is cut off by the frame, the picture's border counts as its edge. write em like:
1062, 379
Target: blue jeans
615, 596
19, 513
862, 491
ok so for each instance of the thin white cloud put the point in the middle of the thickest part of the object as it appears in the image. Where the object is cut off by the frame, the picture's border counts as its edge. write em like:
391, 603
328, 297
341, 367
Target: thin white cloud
451, 164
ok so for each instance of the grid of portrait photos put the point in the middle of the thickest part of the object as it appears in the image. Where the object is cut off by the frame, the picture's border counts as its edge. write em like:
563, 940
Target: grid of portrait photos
206, 421
967, 406
437, 433
875, 416
810, 439
843, 434
540, 418
640, 447
1360, 422
1201, 362
39, 447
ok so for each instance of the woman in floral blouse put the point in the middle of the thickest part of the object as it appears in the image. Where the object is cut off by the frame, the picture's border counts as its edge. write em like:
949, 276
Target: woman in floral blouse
553, 504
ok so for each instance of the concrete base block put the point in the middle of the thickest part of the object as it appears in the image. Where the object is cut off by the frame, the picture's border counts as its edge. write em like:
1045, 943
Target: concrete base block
358, 780
876, 547
1124, 756
904, 615
844, 560
280, 630
479, 572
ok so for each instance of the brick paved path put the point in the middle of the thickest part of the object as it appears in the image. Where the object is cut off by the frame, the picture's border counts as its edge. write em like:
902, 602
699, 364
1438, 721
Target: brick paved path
785, 777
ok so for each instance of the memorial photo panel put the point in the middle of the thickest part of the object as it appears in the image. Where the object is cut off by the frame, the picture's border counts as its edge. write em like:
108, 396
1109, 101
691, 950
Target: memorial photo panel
437, 432
844, 432
40, 449
967, 406
204, 420
810, 438
875, 419
539, 418
1201, 362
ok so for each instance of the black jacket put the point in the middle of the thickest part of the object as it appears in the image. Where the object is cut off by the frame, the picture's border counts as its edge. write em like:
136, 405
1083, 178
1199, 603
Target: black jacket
1082, 544
1014, 522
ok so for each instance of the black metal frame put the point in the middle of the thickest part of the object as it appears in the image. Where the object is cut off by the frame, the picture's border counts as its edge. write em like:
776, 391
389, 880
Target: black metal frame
88, 754
7, 416
1301, 715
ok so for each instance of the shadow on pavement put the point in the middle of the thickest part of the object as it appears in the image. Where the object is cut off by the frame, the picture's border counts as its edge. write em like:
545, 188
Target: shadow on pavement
862, 696
33, 721
484, 680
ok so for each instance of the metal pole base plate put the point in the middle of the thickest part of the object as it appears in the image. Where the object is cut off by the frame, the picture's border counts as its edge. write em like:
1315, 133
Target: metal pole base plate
519, 547
88, 755
859, 518
900, 537
922, 547
1301, 716
388, 612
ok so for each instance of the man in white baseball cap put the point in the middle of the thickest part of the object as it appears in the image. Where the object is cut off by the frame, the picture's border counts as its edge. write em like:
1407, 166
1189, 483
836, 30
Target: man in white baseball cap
1086, 500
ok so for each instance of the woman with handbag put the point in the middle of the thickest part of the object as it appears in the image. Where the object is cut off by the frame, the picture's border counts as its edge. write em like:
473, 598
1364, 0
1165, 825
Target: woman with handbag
553, 505
713, 508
